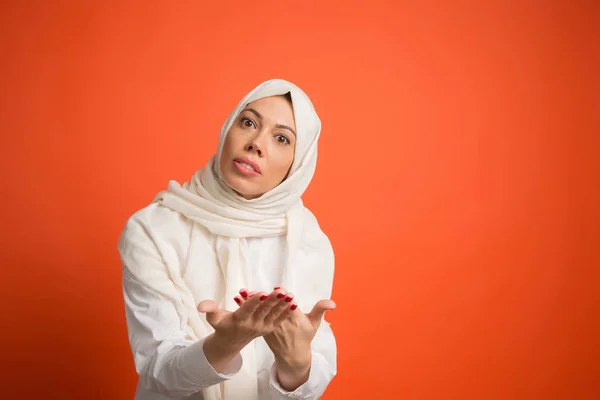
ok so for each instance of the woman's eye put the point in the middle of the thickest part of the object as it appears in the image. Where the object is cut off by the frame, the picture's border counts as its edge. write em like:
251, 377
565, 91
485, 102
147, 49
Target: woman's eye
247, 123
282, 139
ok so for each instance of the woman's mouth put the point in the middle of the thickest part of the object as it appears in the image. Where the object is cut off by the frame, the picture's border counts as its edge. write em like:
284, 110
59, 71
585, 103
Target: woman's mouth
245, 168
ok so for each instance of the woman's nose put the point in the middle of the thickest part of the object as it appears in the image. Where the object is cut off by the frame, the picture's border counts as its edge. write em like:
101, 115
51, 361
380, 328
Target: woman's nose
256, 145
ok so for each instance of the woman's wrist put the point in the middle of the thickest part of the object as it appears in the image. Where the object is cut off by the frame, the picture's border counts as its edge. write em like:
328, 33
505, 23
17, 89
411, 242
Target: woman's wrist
225, 342
296, 361
219, 351
293, 369
293, 372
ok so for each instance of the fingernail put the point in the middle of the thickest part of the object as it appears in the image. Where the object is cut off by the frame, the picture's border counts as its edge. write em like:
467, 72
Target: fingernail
294, 306
263, 297
237, 300
280, 295
288, 299
244, 293
277, 288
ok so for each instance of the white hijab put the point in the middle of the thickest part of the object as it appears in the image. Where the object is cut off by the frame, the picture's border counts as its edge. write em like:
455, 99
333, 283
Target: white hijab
208, 200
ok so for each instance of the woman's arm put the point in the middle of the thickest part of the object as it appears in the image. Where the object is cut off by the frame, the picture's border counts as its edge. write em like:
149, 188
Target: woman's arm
168, 359
323, 368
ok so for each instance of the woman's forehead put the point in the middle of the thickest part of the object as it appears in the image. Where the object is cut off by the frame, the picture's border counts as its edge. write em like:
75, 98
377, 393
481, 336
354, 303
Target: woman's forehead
276, 108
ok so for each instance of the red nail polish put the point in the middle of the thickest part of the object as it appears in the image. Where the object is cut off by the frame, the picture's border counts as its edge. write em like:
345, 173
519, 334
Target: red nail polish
280, 295
237, 300
263, 297
288, 299
244, 293
294, 306
277, 288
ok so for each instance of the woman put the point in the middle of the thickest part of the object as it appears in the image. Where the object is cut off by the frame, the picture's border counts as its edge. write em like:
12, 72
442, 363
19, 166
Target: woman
226, 279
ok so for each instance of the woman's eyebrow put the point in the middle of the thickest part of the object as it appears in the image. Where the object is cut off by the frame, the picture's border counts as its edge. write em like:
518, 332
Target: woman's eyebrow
260, 117
285, 127
252, 110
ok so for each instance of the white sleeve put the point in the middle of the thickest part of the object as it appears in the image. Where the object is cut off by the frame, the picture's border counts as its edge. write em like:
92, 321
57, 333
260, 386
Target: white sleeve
322, 370
168, 360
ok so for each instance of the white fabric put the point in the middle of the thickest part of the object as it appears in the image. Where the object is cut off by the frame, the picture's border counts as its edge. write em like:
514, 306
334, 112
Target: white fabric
170, 362
229, 220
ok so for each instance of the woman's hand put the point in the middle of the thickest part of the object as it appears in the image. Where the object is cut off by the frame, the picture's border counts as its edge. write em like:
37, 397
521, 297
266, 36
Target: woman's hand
291, 338
257, 316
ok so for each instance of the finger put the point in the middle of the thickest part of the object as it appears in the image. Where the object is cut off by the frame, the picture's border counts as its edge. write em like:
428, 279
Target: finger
278, 308
289, 297
274, 299
319, 310
243, 297
207, 306
291, 311
239, 300
279, 289
214, 315
247, 309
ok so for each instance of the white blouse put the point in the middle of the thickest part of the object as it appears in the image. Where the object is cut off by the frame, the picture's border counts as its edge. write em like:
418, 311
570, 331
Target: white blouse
172, 366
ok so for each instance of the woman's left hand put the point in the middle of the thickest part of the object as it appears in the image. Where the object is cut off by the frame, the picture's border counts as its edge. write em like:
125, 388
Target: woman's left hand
290, 340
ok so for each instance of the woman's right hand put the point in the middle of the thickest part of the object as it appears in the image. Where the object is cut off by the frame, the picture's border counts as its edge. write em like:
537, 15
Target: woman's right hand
257, 316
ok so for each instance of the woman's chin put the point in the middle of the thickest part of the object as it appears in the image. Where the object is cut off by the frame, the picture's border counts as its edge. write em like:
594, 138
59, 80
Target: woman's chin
246, 195
242, 188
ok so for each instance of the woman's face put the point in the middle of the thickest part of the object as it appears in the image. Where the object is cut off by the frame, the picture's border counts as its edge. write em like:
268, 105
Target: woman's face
259, 148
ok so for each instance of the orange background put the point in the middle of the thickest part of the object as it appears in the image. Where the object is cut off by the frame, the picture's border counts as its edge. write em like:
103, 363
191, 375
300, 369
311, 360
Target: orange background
458, 180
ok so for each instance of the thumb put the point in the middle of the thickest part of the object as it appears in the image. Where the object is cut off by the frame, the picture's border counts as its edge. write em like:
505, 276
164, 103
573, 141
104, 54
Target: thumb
214, 315
207, 306
319, 310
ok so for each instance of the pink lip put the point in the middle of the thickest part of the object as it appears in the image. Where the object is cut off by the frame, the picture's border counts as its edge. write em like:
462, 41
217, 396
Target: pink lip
245, 170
